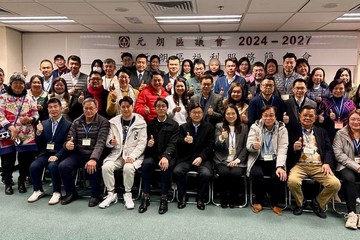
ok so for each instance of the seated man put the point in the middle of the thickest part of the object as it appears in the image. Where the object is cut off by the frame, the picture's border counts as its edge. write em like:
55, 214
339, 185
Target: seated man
127, 139
160, 152
87, 138
195, 148
314, 158
50, 138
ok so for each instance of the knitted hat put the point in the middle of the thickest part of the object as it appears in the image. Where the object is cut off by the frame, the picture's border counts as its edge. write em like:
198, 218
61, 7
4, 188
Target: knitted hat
17, 77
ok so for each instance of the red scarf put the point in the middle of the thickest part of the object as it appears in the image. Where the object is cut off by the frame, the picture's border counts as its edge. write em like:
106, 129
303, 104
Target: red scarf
96, 94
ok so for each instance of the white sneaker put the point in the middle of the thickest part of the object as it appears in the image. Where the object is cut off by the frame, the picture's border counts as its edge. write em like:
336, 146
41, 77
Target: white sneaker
35, 196
352, 221
129, 203
55, 198
111, 198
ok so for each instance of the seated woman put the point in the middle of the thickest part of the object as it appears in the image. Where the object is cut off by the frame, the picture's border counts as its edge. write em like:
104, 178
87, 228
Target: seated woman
236, 97
347, 148
267, 143
230, 154
356, 98
335, 110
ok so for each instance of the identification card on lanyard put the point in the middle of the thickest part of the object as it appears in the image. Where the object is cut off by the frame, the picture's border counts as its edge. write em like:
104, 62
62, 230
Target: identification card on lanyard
339, 124
356, 152
86, 141
50, 146
268, 157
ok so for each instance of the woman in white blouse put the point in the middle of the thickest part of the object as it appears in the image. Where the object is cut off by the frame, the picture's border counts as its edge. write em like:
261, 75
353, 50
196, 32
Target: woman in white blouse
178, 102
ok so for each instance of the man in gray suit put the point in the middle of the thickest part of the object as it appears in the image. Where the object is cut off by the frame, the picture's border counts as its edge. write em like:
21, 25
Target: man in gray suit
211, 102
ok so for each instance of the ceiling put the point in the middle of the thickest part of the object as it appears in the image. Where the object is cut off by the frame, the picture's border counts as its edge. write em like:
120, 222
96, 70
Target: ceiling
110, 16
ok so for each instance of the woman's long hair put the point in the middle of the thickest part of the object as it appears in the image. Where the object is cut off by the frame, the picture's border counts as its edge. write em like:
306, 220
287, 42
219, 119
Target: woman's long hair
237, 124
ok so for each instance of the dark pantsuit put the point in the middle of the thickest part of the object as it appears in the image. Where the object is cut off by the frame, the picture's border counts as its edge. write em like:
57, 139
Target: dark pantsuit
205, 175
37, 168
71, 164
229, 180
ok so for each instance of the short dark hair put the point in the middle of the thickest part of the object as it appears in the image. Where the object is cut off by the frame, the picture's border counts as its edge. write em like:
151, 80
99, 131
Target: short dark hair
258, 64
126, 99
335, 82
200, 61
154, 57
74, 58
173, 57
160, 99
46, 60
59, 56
267, 107
141, 55
124, 70
289, 55
268, 77
94, 72
207, 76
300, 61
234, 60
194, 105
126, 54
299, 80
54, 100
307, 107
156, 72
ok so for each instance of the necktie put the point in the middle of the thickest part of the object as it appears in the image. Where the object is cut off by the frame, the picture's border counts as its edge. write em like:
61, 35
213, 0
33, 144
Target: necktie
140, 77
196, 129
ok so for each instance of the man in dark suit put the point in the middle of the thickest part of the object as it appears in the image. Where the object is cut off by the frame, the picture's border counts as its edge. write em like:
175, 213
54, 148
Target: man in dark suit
211, 103
173, 64
311, 156
295, 103
50, 138
140, 77
195, 149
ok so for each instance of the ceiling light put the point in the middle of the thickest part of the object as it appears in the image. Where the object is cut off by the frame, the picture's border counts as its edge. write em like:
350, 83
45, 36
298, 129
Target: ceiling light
349, 17
331, 5
37, 21
199, 19
34, 18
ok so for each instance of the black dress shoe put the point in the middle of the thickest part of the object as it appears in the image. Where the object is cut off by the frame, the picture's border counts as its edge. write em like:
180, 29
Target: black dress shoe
181, 204
200, 205
223, 202
69, 198
21, 187
231, 205
93, 202
317, 209
298, 210
9, 190
163, 208
145, 202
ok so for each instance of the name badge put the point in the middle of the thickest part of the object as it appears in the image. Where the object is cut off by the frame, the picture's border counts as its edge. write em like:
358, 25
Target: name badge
268, 157
285, 97
309, 150
339, 124
231, 151
50, 146
357, 159
86, 142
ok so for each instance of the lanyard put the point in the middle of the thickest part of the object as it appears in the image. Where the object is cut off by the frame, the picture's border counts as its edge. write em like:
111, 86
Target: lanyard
305, 134
339, 110
272, 101
356, 147
232, 139
87, 130
267, 141
53, 127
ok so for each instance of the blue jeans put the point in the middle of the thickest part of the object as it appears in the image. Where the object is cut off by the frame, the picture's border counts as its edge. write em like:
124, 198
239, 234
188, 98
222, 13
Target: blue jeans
71, 164
36, 170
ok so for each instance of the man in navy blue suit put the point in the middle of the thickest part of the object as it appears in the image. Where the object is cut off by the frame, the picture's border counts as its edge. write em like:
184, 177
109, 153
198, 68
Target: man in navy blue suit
50, 138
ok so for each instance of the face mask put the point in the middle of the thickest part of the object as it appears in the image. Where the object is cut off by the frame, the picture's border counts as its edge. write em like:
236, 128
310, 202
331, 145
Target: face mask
97, 69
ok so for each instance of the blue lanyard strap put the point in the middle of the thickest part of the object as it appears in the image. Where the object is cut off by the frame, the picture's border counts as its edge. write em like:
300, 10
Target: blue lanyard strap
87, 130
339, 111
356, 147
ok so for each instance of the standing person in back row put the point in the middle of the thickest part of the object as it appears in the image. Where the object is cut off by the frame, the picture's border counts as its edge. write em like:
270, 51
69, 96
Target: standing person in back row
284, 80
76, 81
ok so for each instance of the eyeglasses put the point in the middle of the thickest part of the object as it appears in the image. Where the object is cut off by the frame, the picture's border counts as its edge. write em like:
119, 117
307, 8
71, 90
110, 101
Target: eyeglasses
161, 106
206, 84
196, 112
89, 108
95, 79
268, 85
299, 88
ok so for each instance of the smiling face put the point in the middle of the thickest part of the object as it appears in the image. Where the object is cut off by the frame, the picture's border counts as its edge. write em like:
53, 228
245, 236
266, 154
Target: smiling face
307, 118
302, 69
318, 77
90, 109
186, 67
36, 85
124, 80
59, 87
46, 69
54, 110
95, 81
236, 93
230, 67
289, 65
271, 68
339, 90
299, 90
126, 110
179, 88
74, 66
269, 118
345, 76
173, 66
354, 121
214, 65
109, 69
230, 116
154, 64
156, 82
196, 115
17, 86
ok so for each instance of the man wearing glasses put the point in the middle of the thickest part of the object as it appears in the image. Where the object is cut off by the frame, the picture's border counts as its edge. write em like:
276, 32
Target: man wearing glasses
266, 97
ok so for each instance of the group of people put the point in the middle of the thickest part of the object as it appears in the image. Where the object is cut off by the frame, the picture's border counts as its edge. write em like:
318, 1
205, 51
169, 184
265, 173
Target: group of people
232, 122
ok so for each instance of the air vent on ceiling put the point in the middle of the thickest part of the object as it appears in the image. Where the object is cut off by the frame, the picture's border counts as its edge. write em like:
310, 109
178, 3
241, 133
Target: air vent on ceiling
134, 20
167, 7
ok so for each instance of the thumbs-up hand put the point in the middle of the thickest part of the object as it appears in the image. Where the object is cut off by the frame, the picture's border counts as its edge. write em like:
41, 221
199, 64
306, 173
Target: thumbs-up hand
244, 118
210, 111
191, 89
318, 98
221, 92
298, 144
285, 118
113, 94
73, 90
332, 115
147, 110
250, 96
112, 87
188, 139
81, 98
151, 141
113, 141
70, 144
224, 135
168, 86
142, 85
321, 118
257, 144
39, 127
